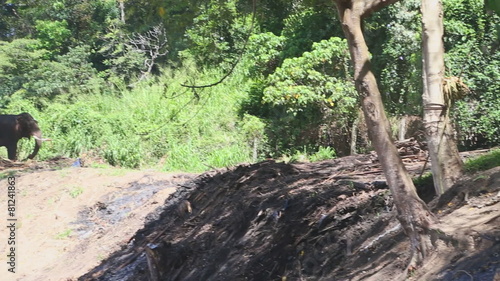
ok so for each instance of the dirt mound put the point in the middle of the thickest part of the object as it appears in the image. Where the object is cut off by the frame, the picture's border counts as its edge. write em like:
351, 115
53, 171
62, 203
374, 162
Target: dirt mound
332, 220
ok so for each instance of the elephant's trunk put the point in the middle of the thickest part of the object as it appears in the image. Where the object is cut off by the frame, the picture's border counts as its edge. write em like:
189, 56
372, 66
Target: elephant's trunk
38, 143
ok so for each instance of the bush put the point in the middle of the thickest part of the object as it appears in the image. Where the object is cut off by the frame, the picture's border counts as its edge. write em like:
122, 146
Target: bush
323, 153
483, 162
308, 101
148, 125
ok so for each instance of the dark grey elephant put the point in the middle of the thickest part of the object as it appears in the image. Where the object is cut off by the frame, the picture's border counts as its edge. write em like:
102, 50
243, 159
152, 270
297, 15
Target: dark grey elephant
15, 127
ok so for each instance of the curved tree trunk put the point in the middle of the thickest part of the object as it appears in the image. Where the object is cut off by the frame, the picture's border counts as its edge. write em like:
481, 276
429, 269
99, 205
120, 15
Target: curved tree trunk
413, 213
446, 164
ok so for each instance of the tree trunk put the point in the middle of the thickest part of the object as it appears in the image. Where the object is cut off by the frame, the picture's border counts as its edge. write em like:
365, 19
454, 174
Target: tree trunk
446, 164
413, 213
354, 135
402, 128
254, 150
121, 4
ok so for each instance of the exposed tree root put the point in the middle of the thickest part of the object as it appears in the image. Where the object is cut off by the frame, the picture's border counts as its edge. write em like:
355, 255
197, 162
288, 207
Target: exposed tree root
424, 242
467, 273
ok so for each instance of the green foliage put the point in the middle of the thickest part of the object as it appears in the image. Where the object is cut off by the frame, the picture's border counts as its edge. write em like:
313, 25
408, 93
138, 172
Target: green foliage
85, 20
292, 92
425, 181
254, 130
70, 73
305, 26
7, 20
75, 191
17, 58
123, 63
64, 234
26, 71
52, 35
253, 127
394, 39
264, 54
478, 122
493, 5
307, 99
218, 32
323, 153
148, 125
472, 42
480, 163
316, 78
88, 20
483, 162
464, 21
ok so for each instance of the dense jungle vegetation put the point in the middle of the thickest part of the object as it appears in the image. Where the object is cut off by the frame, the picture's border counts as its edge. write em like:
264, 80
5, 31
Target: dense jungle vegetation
107, 78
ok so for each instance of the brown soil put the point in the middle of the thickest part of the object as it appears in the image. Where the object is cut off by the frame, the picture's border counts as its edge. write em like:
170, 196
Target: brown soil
70, 219
330, 220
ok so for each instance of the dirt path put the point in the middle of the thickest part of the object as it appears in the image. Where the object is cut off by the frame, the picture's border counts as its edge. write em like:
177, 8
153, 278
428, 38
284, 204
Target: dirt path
71, 219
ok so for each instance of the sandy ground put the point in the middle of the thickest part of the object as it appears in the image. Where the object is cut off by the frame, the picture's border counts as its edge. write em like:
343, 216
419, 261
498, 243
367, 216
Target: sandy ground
70, 219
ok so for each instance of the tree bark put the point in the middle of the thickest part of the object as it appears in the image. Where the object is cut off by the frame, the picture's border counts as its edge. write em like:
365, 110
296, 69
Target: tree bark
402, 128
446, 164
413, 213
354, 134
255, 149
121, 4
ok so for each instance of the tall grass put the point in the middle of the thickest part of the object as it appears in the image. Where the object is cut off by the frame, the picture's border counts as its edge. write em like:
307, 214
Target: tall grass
160, 123
483, 162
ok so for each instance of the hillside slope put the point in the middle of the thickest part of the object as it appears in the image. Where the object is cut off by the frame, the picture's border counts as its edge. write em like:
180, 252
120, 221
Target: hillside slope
332, 220
329, 220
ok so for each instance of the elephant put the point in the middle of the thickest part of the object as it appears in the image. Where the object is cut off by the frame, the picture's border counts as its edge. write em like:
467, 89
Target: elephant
15, 127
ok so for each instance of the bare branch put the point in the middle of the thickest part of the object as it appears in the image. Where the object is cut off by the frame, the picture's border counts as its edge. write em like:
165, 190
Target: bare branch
153, 44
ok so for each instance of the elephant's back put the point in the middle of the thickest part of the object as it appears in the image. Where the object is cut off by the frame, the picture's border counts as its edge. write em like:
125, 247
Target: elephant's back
7, 124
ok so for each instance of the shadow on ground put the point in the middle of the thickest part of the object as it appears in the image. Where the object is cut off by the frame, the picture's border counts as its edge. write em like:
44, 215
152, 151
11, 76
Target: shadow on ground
331, 220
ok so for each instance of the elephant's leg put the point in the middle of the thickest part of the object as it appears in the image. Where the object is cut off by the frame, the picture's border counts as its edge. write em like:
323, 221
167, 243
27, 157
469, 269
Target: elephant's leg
12, 151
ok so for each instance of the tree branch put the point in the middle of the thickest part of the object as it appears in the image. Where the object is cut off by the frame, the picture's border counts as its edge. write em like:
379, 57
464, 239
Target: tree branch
153, 44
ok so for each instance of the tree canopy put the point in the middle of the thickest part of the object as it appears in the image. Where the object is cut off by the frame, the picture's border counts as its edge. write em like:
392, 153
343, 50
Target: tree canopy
293, 65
